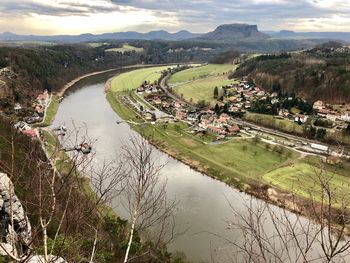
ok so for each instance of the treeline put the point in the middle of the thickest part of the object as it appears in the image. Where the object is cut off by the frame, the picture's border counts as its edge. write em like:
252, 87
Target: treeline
39, 68
312, 74
229, 56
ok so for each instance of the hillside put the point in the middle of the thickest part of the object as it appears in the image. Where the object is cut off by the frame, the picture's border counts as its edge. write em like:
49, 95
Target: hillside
321, 73
24, 72
234, 32
152, 35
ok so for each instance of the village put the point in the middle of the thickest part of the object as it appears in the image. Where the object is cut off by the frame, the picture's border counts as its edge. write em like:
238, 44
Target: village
233, 101
222, 121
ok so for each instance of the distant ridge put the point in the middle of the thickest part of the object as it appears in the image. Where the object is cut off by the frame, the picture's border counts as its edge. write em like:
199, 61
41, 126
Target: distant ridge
132, 35
223, 33
234, 32
344, 36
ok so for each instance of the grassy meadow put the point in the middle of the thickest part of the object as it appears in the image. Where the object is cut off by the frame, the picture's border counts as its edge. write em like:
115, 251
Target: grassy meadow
125, 48
202, 89
201, 72
133, 79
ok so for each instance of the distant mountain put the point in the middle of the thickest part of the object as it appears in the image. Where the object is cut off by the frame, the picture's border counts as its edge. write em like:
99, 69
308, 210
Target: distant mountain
344, 36
153, 35
234, 32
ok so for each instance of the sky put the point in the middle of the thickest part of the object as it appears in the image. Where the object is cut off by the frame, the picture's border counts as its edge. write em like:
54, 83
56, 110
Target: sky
50, 17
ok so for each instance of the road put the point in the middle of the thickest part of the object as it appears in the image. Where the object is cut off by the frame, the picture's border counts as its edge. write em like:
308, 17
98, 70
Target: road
305, 149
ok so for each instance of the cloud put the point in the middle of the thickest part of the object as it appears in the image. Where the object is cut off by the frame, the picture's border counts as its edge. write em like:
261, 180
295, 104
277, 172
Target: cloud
72, 16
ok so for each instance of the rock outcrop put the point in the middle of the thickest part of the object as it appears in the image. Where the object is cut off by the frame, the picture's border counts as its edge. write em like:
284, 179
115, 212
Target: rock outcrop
11, 210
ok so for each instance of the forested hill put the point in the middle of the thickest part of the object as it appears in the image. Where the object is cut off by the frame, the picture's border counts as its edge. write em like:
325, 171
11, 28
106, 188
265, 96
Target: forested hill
320, 73
26, 71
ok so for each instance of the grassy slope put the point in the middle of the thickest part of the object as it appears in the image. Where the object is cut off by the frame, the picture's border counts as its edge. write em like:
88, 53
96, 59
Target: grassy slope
301, 179
202, 89
132, 79
125, 48
198, 83
200, 72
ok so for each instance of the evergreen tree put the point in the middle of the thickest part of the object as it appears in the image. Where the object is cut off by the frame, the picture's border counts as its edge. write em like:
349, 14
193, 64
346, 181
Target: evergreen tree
216, 92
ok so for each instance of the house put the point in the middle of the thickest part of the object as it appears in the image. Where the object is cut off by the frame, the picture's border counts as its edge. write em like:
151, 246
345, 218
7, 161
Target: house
301, 118
223, 118
31, 133
40, 110
322, 112
165, 104
233, 109
177, 104
232, 130
345, 116
332, 117
318, 105
216, 130
157, 101
17, 107
180, 115
21, 125
43, 98
149, 116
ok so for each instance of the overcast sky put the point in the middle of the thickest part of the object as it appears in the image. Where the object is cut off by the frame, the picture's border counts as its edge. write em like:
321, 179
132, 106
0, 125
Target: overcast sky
98, 16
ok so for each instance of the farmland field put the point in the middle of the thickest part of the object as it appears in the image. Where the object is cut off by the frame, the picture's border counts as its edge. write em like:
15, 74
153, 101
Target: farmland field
201, 72
202, 89
125, 48
133, 79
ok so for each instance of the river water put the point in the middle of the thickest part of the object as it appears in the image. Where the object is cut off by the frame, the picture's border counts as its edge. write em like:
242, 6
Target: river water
203, 203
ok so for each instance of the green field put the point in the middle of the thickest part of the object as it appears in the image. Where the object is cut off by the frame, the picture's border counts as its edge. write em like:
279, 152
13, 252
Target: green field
202, 89
125, 48
133, 79
200, 72
301, 179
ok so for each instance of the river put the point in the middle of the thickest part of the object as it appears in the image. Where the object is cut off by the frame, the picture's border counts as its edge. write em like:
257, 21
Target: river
203, 203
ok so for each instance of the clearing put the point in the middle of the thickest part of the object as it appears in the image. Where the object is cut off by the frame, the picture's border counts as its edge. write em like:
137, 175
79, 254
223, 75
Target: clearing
201, 72
125, 48
202, 89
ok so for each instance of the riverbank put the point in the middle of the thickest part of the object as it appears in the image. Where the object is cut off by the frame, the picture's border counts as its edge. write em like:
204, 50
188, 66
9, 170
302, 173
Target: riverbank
234, 162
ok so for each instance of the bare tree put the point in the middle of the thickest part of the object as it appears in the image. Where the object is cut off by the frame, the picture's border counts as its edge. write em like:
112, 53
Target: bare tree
270, 234
146, 198
60, 195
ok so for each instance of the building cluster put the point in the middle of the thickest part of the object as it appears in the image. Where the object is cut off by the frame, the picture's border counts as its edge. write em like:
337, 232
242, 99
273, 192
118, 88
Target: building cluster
39, 106
326, 111
201, 121
241, 95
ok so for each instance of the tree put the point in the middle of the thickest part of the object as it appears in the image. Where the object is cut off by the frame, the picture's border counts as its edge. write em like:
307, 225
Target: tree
60, 211
145, 194
217, 109
216, 92
347, 129
321, 133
